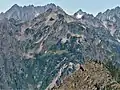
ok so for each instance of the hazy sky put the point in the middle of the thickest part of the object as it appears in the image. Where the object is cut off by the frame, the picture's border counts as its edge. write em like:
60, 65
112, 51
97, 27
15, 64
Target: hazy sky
70, 6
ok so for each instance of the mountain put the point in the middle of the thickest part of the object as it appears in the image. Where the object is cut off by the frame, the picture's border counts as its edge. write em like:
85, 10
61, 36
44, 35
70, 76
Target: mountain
111, 20
88, 19
38, 52
27, 12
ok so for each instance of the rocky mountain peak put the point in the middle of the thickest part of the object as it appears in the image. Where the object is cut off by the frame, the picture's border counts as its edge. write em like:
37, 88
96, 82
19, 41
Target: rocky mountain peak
81, 14
109, 14
80, 11
15, 6
51, 5
27, 13
86, 18
111, 20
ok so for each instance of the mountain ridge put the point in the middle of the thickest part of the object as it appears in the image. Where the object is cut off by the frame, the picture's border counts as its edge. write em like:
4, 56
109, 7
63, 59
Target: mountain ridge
26, 13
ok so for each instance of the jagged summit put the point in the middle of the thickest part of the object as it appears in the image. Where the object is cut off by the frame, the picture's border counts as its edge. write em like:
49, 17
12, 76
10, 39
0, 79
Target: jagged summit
111, 20
109, 13
86, 18
15, 5
82, 13
26, 13
79, 14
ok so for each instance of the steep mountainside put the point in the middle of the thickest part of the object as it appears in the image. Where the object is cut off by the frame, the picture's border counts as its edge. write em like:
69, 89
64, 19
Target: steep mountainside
94, 77
10, 55
39, 52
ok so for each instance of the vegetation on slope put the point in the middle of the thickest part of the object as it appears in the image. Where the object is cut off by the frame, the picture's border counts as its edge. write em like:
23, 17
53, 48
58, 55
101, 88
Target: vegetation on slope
95, 77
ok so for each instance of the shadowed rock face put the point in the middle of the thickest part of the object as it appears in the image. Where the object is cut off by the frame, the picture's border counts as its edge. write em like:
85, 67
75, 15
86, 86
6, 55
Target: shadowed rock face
37, 54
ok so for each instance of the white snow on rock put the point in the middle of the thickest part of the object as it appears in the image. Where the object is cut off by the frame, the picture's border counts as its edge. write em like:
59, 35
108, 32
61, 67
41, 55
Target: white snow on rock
36, 14
118, 40
71, 65
64, 40
39, 85
105, 24
79, 16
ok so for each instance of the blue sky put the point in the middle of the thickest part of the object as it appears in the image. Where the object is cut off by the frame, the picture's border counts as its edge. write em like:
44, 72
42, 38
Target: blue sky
70, 6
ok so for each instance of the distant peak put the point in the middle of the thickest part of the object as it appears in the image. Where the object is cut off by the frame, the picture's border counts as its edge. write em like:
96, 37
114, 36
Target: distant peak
51, 4
114, 9
15, 5
80, 10
100, 13
117, 7
49, 10
31, 5
79, 13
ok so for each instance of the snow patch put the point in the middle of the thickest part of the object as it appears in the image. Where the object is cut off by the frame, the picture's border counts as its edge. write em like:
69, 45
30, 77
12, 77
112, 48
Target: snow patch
36, 14
99, 41
30, 27
83, 26
79, 16
46, 51
105, 24
26, 75
112, 31
39, 85
71, 65
64, 40
118, 40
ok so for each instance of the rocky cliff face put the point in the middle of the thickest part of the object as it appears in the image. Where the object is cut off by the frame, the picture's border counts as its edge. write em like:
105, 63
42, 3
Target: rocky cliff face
40, 51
